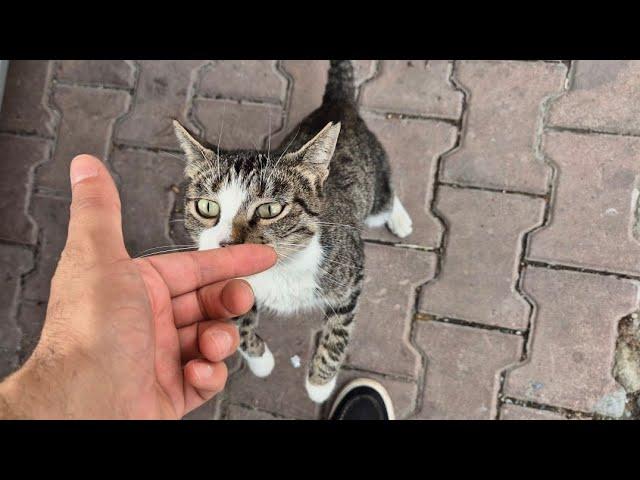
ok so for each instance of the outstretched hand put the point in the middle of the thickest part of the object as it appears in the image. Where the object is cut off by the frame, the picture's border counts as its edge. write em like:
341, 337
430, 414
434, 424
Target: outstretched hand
130, 338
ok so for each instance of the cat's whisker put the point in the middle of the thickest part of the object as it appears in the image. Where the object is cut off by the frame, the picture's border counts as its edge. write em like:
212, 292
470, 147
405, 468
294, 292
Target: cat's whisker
220, 137
167, 246
283, 153
170, 250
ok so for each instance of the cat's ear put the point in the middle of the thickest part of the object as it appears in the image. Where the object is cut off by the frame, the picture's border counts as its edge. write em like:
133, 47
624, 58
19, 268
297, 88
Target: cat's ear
194, 151
319, 150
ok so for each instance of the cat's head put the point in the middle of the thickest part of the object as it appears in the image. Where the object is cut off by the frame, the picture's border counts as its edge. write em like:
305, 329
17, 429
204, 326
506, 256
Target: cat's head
247, 197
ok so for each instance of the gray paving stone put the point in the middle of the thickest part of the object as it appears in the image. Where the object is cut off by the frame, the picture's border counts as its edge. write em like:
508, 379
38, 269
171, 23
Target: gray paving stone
237, 412
604, 96
592, 220
416, 87
480, 268
463, 369
19, 155
163, 94
24, 105
516, 412
147, 180
30, 320
504, 108
108, 73
413, 147
573, 340
14, 262
87, 119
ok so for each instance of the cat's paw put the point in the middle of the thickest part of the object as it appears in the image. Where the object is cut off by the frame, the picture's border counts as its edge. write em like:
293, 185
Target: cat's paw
261, 366
320, 393
400, 222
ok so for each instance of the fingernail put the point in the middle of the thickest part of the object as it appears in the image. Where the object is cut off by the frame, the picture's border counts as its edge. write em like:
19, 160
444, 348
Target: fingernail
222, 341
203, 370
82, 167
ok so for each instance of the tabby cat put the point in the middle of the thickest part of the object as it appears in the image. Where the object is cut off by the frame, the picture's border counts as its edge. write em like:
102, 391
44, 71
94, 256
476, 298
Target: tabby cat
309, 199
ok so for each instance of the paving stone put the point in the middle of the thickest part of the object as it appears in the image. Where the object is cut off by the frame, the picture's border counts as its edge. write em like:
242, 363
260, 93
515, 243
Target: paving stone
283, 391
30, 320
237, 412
24, 105
591, 223
163, 94
380, 340
363, 70
20, 155
256, 80
504, 109
413, 147
480, 268
208, 411
574, 336
516, 412
416, 87
146, 183
305, 95
52, 217
14, 262
87, 118
108, 73
604, 96
403, 394
243, 125
463, 369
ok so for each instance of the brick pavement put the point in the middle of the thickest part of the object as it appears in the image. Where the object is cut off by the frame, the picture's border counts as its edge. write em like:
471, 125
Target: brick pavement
514, 298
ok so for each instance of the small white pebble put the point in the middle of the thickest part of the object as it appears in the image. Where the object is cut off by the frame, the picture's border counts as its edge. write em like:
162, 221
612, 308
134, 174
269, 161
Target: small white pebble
295, 361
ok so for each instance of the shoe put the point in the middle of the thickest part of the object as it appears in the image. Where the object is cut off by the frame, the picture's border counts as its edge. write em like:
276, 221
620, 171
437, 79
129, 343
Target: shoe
362, 399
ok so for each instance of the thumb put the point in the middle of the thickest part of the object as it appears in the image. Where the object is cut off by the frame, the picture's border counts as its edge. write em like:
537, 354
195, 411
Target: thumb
95, 223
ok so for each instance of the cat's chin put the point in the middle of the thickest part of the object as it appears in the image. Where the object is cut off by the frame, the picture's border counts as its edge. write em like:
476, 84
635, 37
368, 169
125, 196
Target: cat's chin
320, 393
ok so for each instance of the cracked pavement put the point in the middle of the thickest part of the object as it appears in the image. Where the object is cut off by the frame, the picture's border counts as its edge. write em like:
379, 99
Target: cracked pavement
514, 298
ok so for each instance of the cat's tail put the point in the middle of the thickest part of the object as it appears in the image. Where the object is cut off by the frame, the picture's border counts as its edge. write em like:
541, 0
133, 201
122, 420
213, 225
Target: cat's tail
340, 85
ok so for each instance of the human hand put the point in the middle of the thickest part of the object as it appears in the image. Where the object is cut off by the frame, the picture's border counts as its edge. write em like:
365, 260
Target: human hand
130, 338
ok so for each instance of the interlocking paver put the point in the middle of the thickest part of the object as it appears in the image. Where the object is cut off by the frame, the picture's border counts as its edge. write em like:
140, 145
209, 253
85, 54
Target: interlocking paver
413, 147
516, 412
237, 125
87, 118
108, 73
305, 93
283, 391
574, 335
19, 156
416, 87
146, 182
463, 369
52, 217
14, 261
255, 80
162, 95
504, 109
380, 339
592, 218
24, 106
479, 273
604, 96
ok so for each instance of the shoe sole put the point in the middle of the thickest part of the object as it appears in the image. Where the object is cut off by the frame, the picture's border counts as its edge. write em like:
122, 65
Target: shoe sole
366, 382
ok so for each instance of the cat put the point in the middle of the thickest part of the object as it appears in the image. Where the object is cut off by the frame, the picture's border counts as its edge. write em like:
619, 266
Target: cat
309, 199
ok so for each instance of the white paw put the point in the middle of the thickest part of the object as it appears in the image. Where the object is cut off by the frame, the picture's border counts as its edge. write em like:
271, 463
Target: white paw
319, 393
400, 222
260, 366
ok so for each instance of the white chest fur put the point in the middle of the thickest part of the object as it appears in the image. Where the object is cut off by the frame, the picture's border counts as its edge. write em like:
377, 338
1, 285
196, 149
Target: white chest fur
290, 285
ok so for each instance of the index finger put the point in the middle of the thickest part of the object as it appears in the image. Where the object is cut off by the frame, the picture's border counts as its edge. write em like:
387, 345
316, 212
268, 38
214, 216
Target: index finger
187, 271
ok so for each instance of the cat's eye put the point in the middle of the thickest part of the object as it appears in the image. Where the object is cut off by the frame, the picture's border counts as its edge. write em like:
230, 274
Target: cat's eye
207, 208
269, 210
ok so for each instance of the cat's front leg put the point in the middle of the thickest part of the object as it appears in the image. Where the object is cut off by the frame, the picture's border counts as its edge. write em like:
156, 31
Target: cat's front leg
331, 350
252, 348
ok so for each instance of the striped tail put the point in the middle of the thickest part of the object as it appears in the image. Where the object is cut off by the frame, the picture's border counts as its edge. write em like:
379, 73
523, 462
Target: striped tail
340, 85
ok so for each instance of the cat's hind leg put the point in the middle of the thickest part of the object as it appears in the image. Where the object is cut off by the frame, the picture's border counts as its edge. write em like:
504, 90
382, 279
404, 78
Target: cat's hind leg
252, 348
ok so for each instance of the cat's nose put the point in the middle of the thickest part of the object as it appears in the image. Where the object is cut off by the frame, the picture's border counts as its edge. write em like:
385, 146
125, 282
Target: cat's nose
226, 243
